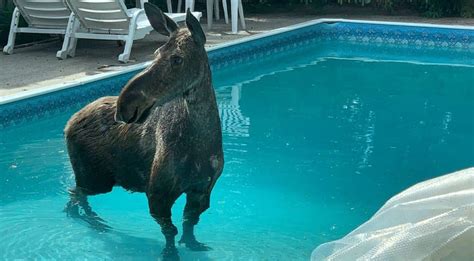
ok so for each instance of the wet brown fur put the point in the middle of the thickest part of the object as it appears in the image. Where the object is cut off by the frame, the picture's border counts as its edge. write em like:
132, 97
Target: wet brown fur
176, 149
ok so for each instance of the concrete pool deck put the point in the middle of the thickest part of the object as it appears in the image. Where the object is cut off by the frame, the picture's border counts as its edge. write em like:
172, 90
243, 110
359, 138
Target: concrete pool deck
35, 66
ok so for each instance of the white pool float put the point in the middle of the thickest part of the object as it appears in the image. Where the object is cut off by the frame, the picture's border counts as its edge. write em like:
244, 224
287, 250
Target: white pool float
433, 220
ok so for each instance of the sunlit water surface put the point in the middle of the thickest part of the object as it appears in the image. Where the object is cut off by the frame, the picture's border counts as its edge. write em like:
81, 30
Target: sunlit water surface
312, 150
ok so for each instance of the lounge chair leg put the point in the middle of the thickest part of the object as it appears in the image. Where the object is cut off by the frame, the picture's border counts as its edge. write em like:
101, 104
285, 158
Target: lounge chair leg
130, 37
189, 4
180, 3
170, 6
129, 41
210, 4
62, 54
125, 56
224, 7
234, 6
71, 51
8, 49
216, 10
241, 14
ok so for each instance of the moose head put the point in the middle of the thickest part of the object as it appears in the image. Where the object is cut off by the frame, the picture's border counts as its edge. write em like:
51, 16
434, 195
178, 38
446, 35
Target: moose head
179, 66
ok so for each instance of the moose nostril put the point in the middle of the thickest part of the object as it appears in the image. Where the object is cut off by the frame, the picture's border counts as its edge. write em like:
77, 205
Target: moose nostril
121, 115
134, 116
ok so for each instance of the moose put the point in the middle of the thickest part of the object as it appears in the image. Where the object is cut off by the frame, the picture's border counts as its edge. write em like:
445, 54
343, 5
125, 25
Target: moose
161, 135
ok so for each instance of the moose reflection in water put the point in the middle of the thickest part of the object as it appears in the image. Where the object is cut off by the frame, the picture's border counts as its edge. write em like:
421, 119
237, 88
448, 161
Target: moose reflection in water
161, 136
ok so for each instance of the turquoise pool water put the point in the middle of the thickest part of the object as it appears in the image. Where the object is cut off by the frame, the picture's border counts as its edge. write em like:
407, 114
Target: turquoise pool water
313, 148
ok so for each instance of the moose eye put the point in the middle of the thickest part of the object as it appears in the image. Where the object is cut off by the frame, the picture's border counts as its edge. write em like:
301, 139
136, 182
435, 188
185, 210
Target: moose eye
176, 60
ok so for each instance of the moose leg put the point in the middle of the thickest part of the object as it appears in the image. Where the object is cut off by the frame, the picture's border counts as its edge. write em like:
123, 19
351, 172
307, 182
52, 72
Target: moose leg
160, 202
78, 207
196, 204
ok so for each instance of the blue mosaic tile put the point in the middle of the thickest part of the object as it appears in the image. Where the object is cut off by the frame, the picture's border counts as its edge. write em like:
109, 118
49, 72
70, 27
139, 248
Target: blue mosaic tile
348, 32
360, 34
32, 108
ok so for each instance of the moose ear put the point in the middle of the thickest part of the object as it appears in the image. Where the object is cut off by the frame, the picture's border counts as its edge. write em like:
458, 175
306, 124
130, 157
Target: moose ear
195, 28
159, 21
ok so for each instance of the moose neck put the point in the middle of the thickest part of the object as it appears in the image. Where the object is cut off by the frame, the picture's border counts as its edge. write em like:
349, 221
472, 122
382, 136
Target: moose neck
202, 108
201, 97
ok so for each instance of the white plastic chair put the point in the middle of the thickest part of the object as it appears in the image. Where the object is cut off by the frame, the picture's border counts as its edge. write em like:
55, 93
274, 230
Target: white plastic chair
236, 11
107, 20
42, 17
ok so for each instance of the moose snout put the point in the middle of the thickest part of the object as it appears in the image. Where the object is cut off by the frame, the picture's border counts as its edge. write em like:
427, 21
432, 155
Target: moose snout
132, 107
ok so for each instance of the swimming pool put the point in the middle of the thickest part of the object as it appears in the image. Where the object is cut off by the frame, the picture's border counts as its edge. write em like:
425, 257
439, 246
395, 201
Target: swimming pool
321, 124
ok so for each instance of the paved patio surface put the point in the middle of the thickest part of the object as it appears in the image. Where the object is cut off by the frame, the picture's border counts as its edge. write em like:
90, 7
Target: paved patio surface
36, 66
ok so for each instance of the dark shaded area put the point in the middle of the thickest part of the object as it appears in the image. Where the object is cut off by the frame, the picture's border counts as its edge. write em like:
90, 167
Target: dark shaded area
429, 8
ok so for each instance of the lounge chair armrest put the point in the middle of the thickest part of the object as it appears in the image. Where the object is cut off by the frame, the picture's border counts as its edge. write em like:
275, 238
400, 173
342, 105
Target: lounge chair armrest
135, 12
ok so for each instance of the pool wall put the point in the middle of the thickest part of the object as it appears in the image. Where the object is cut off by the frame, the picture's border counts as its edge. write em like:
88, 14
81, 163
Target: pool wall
429, 43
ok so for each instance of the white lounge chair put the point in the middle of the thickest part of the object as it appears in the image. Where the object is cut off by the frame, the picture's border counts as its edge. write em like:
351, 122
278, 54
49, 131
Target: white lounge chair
107, 20
42, 16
